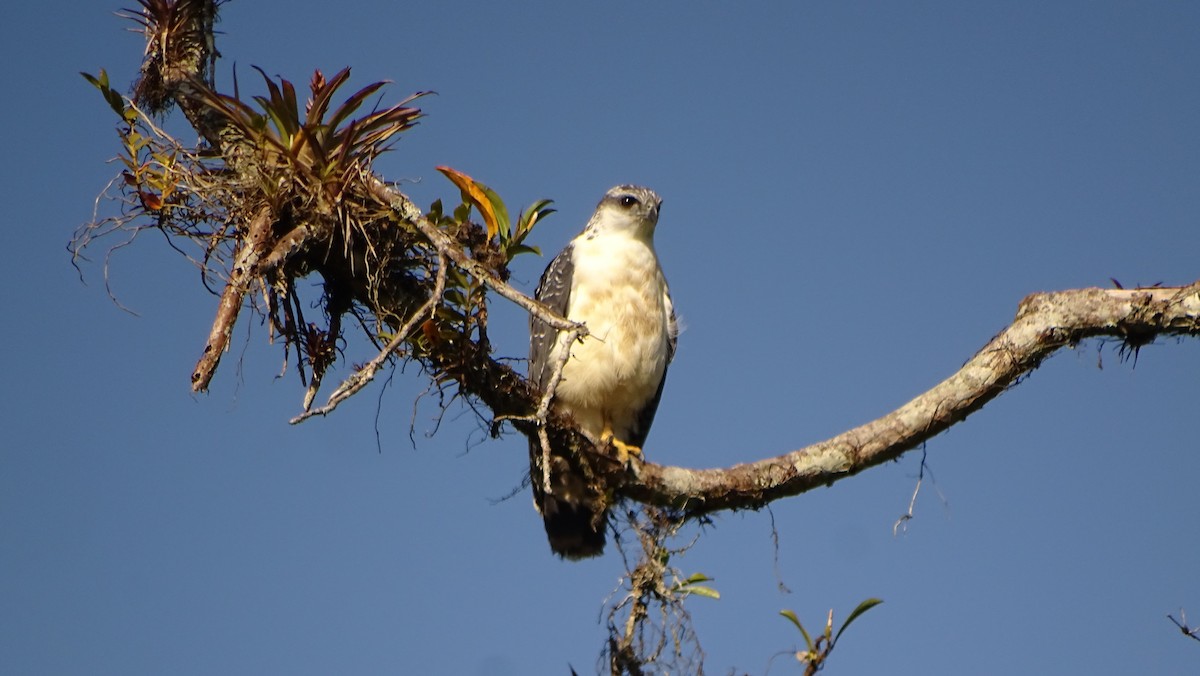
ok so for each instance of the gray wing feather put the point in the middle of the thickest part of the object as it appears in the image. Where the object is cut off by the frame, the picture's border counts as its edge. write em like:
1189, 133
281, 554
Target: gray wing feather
572, 511
554, 290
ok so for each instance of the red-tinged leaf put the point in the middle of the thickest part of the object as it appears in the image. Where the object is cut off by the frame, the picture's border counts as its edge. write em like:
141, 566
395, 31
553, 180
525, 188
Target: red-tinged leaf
474, 193
149, 200
323, 94
353, 103
281, 107
429, 328
250, 122
291, 104
272, 88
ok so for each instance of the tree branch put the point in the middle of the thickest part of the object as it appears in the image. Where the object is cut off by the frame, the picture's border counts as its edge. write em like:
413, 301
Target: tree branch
245, 271
1045, 323
175, 70
410, 213
363, 376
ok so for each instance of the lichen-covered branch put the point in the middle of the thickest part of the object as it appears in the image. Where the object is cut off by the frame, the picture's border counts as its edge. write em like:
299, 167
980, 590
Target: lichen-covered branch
244, 272
1045, 323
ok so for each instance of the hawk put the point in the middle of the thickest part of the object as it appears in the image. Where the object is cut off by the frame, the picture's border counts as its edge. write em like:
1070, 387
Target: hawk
609, 279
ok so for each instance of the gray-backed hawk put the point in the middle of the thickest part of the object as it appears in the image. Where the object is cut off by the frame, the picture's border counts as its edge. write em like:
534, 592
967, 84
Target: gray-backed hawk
608, 278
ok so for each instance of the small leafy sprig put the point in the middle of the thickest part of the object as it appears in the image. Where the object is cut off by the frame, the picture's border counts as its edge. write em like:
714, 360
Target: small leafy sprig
818, 650
509, 237
149, 167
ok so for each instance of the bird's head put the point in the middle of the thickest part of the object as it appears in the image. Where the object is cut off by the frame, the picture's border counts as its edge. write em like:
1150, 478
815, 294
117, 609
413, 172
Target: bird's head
628, 209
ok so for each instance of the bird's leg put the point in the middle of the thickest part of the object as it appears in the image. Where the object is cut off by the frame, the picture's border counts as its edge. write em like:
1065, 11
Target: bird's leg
624, 451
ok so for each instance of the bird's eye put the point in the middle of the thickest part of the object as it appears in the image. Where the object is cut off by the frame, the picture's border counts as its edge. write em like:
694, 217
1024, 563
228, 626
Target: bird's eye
628, 200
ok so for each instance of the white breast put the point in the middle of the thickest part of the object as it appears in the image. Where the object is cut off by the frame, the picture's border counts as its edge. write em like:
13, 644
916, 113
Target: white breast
618, 290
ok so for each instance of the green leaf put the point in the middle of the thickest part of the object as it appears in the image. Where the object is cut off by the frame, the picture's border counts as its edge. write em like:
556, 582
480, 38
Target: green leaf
692, 586
503, 225
701, 590
515, 250
536, 212
791, 616
435, 211
98, 81
862, 608
114, 98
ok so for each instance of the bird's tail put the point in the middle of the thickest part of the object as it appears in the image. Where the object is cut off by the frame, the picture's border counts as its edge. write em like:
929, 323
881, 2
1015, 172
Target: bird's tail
575, 514
574, 530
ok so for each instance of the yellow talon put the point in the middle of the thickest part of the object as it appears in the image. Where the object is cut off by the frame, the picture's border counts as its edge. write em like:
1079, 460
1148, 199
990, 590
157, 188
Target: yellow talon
624, 451
606, 434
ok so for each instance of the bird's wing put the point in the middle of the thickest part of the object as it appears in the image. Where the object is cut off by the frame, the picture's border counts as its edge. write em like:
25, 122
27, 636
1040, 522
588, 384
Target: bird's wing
554, 290
672, 324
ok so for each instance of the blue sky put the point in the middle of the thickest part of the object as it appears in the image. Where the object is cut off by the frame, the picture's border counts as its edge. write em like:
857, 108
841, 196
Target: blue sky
856, 197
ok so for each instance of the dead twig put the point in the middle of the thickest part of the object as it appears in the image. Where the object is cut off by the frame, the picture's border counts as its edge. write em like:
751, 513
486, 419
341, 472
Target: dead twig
363, 376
